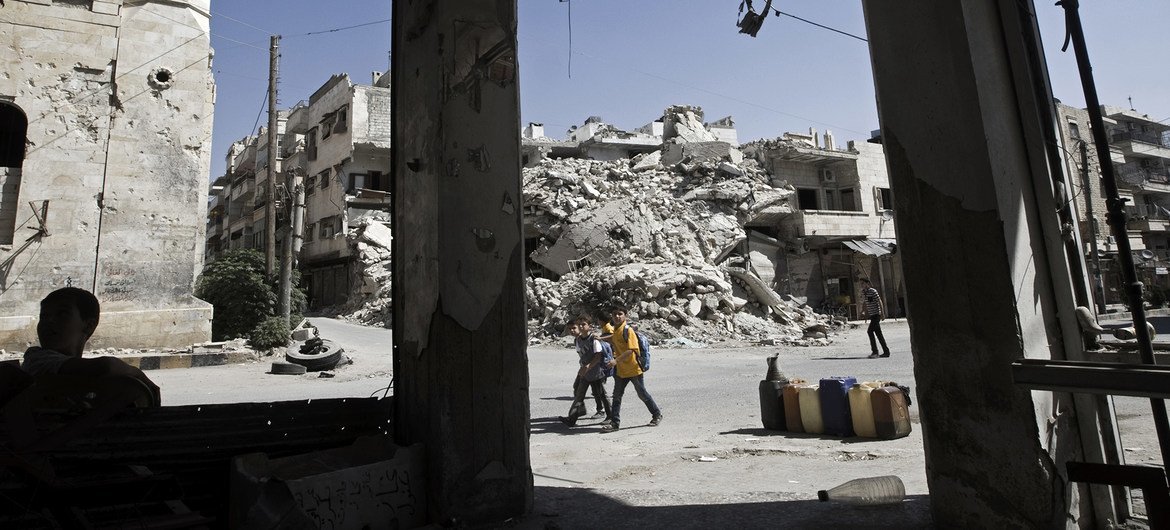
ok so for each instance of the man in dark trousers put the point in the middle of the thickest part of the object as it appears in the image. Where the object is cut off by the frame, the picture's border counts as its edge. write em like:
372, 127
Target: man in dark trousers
875, 311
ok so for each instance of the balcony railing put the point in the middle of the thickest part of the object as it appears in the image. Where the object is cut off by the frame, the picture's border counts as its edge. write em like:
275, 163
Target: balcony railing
1139, 136
1147, 211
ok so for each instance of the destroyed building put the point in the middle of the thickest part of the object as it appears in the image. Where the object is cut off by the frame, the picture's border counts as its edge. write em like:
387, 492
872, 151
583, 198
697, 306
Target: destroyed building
105, 149
700, 239
336, 147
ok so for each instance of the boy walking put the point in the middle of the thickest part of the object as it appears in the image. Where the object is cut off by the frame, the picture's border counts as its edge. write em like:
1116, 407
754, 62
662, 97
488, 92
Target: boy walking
592, 373
625, 353
875, 311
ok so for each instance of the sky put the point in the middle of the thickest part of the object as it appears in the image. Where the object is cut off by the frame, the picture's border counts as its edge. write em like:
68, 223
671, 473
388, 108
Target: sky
629, 60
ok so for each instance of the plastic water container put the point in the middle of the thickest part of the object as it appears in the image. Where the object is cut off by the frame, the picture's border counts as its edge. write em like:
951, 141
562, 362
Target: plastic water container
867, 491
861, 408
891, 415
772, 404
834, 396
792, 408
810, 410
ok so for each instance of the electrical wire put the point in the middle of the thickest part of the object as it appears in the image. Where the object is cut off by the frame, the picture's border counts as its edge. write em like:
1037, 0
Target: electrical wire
822, 26
334, 30
241, 22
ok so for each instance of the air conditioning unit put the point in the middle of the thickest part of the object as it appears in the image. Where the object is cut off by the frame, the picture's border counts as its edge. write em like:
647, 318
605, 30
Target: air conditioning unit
827, 176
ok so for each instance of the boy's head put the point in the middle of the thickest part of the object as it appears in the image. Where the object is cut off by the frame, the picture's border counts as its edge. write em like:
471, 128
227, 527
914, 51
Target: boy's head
864, 281
580, 326
67, 320
617, 315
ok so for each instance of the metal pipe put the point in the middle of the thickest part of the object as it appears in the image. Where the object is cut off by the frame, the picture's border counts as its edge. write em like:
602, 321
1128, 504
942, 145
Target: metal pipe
1116, 216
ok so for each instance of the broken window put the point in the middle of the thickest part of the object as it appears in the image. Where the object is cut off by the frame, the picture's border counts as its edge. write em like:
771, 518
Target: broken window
309, 231
311, 144
324, 178
327, 125
374, 180
310, 185
806, 199
341, 117
356, 181
1074, 131
13, 129
885, 199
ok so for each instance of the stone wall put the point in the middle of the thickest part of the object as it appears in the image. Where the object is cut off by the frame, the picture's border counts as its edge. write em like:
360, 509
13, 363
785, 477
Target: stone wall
118, 143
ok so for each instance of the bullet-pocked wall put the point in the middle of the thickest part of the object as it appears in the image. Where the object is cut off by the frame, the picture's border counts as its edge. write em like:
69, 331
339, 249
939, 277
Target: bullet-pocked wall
118, 99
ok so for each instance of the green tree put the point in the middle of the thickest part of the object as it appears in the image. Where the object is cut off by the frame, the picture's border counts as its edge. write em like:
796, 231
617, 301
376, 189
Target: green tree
234, 284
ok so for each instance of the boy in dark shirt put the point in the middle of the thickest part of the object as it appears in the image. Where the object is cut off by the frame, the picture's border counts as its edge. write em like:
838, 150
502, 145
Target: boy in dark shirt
592, 373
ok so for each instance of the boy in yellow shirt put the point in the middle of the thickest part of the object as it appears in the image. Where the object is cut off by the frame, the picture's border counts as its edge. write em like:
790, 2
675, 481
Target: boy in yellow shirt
625, 354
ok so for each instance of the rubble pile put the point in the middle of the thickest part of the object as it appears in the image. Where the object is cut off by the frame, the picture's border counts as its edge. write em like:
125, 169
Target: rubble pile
369, 301
659, 239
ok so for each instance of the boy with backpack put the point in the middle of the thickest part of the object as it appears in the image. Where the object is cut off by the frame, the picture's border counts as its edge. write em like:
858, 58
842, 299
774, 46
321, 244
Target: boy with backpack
595, 357
631, 356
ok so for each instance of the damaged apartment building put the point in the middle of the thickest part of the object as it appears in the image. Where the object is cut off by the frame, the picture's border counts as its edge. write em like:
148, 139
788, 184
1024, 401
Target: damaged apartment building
1140, 151
337, 147
799, 216
104, 159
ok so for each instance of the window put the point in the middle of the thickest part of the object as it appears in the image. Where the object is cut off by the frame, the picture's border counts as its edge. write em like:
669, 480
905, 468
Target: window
330, 226
848, 203
324, 178
374, 181
341, 118
885, 199
831, 200
806, 199
309, 231
13, 129
1074, 130
310, 185
356, 181
311, 144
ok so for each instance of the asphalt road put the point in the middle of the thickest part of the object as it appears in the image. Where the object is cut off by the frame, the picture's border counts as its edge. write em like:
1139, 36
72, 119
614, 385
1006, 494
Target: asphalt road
709, 463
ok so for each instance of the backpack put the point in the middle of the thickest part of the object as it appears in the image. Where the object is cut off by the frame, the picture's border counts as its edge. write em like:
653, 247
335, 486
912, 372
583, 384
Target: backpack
606, 357
643, 348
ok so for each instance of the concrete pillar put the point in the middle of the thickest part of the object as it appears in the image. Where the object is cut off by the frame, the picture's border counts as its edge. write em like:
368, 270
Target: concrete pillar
962, 119
461, 368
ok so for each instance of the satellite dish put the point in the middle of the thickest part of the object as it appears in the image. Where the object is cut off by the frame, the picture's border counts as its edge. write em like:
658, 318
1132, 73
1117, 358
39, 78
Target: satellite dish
887, 215
1147, 254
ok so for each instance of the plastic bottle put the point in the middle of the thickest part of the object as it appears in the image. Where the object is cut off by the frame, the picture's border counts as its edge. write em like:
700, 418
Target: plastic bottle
867, 491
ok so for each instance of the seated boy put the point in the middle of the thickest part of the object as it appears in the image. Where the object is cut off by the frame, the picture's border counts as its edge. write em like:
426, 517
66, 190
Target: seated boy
68, 318
591, 374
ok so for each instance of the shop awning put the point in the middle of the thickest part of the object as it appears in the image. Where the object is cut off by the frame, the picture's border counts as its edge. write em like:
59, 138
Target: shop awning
868, 246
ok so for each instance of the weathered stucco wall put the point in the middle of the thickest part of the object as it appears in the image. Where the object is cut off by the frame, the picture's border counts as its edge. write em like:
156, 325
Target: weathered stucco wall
118, 144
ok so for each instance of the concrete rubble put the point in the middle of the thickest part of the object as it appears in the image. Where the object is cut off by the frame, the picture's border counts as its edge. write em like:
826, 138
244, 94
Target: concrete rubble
659, 232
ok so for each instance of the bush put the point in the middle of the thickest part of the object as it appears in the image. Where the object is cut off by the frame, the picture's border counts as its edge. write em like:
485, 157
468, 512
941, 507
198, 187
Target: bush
234, 284
271, 333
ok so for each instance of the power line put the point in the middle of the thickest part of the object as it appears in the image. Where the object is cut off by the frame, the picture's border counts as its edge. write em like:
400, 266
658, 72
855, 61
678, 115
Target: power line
319, 32
822, 26
241, 22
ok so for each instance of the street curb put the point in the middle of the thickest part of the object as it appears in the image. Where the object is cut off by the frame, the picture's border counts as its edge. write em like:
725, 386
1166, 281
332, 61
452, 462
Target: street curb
163, 361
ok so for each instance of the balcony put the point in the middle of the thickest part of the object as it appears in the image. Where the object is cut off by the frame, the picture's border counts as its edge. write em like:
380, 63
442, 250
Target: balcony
1141, 144
1148, 218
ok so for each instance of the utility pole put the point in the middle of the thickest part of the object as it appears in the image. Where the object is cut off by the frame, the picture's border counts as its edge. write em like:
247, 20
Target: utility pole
1098, 285
273, 148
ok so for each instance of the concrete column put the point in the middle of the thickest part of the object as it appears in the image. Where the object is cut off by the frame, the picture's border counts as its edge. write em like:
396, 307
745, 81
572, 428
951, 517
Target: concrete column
461, 368
962, 127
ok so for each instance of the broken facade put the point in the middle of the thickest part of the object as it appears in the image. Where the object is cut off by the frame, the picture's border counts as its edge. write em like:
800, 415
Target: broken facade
106, 154
337, 147
841, 225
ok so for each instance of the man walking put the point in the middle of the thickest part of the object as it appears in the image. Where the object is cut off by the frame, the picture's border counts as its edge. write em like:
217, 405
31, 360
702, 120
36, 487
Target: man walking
875, 311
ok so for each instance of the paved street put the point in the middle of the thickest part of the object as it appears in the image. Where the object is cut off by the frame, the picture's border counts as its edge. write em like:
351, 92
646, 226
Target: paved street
654, 474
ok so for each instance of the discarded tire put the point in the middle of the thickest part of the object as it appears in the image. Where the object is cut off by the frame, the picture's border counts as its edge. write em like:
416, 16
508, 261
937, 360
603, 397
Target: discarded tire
315, 355
279, 368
